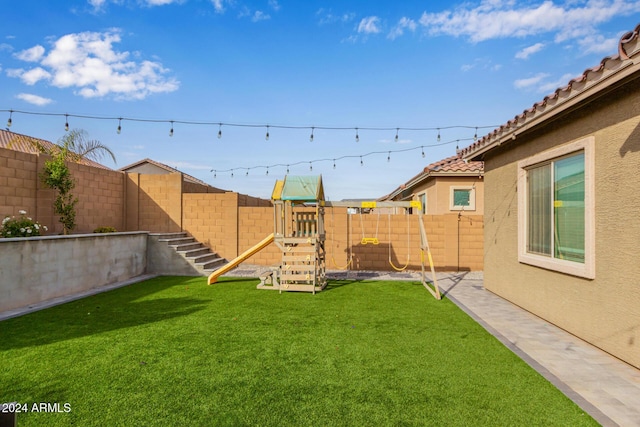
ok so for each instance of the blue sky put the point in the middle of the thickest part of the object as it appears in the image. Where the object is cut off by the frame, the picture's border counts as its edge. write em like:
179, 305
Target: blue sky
387, 68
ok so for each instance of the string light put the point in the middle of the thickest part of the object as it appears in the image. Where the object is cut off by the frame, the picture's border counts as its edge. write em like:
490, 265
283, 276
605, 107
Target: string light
119, 126
247, 172
310, 167
361, 162
334, 163
66, 123
9, 122
311, 137
231, 173
242, 125
475, 135
287, 169
267, 171
389, 157
171, 130
266, 137
422, 148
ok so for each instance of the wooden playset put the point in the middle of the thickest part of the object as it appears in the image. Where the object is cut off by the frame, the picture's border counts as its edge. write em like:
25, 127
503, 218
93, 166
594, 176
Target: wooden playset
299, 233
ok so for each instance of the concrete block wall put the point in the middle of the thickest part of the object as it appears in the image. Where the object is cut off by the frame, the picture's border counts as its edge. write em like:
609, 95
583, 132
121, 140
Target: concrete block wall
160, 203
212, 218
18, 180
37, 269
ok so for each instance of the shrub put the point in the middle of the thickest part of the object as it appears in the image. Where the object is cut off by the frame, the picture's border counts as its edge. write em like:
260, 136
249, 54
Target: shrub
105, 230
22, 226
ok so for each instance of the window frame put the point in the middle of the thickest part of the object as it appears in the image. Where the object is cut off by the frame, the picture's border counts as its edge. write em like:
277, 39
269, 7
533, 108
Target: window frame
472, 198
588, 268
422, 196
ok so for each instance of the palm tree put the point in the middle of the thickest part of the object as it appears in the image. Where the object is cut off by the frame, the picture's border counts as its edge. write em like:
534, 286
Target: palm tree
74, 146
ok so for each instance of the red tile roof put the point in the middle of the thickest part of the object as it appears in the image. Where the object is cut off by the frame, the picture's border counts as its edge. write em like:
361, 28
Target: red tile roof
454, 165
25, 144
600, 75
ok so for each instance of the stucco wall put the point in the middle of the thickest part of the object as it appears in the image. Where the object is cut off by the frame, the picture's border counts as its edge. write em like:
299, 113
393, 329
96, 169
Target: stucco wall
603, 311
438, 192
38, 269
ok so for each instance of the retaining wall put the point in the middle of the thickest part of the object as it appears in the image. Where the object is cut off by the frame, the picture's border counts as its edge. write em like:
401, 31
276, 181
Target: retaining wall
38, 269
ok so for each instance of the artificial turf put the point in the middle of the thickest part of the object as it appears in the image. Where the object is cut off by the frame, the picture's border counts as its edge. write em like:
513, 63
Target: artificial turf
174, 351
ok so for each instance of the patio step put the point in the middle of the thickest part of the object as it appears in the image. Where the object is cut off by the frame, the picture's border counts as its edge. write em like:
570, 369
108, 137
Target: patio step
195, 253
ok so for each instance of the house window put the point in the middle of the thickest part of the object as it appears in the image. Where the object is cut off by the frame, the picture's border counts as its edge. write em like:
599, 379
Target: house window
555, 205
423, 203
462, 199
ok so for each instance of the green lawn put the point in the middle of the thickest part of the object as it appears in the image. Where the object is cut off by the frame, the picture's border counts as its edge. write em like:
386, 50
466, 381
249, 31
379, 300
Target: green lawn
173, 351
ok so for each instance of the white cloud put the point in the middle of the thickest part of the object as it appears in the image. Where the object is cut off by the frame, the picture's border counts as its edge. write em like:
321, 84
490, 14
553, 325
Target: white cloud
404, 24
34, 99
530, 81
274, 5
218, 5
499, 19
597, 43
88, 62
34, 75
33, 54
260, 16
328, 17
551, 86
528, 51
5, 47
369, 25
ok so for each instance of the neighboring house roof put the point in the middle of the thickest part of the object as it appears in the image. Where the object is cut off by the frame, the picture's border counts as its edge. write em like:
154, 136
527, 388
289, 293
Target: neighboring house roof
166, 168
606, 75
19, 142
451, 166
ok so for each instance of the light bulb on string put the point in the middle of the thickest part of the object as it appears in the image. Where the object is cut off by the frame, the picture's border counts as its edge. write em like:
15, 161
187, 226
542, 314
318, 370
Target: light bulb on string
438, 135
361, 162
287, 169
311, 137
266, 137
389, 157
66, 122
231, 173
215, 174
397, 130
422, 152
219, 130
475, 135
357, 136
310, 167
10, 122
247, 172
334, 163
119, 126
267, 171
171, 130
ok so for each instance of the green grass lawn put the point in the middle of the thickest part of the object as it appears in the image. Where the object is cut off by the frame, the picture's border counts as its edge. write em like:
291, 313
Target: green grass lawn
173, 351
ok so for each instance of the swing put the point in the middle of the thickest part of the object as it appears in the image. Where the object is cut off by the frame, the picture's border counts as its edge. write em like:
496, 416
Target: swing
408, 248
367, 240
346, 266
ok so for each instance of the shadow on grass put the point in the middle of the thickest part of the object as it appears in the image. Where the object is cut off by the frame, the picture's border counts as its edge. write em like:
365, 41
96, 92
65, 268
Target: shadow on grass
98, 314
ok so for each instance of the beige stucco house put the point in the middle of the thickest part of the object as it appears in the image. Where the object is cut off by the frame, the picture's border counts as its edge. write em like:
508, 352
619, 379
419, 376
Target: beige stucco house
450, 185
562, 198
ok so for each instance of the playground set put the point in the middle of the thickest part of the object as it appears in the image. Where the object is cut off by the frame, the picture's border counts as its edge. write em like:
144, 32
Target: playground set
299, 233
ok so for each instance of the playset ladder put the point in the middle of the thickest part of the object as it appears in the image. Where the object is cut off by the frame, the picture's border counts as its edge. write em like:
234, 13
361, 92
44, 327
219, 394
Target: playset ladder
303, 265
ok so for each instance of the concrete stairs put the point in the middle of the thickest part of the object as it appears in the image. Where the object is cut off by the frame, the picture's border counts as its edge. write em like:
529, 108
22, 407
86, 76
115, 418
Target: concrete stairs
199, 256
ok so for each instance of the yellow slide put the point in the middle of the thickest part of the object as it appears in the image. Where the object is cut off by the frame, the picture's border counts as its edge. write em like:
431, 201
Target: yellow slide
213, 277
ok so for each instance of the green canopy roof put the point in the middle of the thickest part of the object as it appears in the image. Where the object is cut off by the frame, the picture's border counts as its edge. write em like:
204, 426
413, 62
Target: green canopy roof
299, 189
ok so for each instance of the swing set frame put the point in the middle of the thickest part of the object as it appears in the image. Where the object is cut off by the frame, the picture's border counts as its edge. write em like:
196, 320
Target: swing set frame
424, 242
